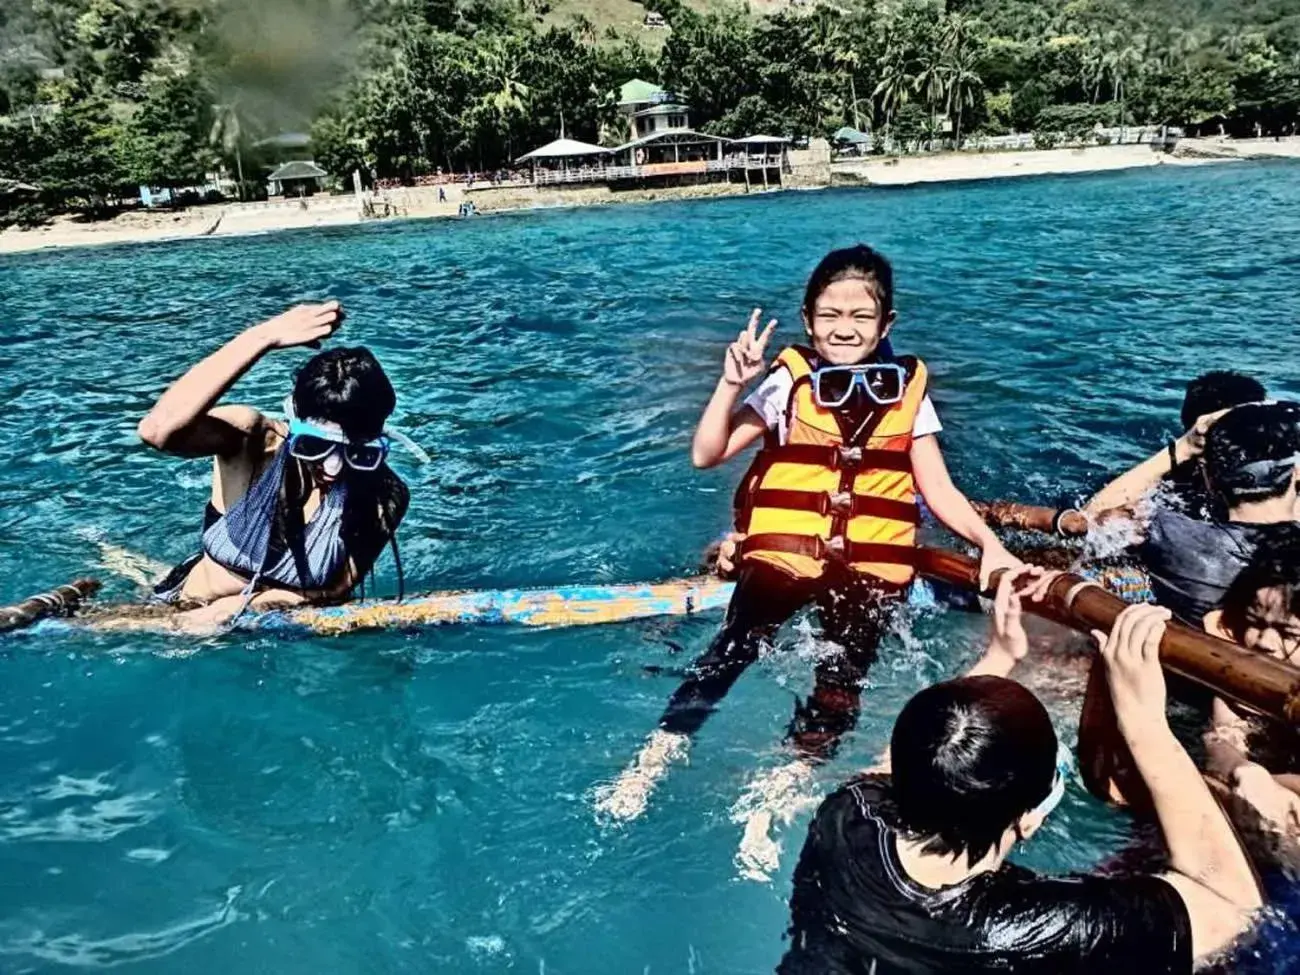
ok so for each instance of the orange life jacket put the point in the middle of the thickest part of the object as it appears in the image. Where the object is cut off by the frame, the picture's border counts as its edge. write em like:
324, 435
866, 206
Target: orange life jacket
829, 493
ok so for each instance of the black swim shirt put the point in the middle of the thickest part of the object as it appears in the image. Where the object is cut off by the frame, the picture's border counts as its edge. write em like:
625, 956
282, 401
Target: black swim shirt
856, 912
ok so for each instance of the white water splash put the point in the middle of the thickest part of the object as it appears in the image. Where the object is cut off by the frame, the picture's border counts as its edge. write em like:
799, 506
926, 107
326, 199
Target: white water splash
772, 799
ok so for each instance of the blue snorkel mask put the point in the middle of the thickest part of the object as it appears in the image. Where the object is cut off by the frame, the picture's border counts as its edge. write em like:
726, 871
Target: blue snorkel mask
301, 428
314, 444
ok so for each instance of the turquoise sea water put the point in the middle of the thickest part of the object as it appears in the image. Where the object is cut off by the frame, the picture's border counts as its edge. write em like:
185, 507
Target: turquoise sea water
421, 803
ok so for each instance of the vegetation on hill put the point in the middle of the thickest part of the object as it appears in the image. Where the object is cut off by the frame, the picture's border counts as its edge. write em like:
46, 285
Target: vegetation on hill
100, 95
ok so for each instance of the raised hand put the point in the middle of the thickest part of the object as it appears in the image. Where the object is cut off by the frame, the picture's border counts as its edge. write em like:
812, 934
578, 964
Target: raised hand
303, 325
1192, 443
746, 357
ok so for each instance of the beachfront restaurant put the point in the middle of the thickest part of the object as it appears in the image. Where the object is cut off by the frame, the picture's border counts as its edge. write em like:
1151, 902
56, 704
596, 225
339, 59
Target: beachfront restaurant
661, 150
564, 161
672, 157
296, 179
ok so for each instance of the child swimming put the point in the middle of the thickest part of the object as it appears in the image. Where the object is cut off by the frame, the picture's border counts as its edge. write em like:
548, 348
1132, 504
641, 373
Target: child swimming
828, 508
300, 510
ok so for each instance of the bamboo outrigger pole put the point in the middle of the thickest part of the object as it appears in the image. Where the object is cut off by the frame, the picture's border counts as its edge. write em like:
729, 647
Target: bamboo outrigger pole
1260, 682
1012, 514
60, 601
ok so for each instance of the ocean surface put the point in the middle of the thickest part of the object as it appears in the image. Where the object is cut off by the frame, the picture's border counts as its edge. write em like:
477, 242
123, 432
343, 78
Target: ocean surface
423, 802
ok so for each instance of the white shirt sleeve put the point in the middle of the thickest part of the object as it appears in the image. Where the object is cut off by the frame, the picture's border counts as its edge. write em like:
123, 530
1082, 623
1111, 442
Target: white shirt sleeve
927, 422
771, 399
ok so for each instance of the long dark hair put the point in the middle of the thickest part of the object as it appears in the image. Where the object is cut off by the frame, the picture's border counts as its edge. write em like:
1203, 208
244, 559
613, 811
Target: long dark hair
348, 387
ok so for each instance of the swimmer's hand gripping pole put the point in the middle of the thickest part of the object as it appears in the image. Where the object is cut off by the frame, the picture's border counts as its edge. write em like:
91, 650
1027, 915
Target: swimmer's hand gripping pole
1262, 683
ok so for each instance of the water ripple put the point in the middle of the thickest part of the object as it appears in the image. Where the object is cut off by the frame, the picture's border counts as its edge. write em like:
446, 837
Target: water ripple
406, 803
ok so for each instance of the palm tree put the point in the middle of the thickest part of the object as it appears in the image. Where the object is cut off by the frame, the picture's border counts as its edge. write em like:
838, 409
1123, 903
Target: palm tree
960, 80
846, 59
507, 96
1236, 41
963, 82
892, 89
957, 32
229, 132
932, 79
1126, 62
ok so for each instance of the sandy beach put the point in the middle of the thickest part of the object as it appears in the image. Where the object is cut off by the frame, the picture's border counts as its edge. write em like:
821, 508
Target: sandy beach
236, 219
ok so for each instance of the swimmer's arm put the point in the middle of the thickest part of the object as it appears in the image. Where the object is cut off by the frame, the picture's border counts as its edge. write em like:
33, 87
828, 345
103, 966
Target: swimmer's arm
180, 422
952, 508
1209, 868
1131, 487
183, 420
725, 431
1228, 757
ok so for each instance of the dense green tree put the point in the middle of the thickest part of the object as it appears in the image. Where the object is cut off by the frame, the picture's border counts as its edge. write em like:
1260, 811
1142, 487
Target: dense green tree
98, 94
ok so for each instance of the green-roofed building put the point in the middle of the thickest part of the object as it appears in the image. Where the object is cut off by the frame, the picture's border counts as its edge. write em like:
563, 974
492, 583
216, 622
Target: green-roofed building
650, 110
638, 93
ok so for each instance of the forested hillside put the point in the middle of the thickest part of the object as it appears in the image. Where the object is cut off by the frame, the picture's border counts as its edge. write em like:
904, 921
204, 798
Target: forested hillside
101, 94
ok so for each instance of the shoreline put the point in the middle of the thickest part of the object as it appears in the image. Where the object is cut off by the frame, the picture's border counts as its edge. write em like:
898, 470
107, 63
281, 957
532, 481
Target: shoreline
250, 219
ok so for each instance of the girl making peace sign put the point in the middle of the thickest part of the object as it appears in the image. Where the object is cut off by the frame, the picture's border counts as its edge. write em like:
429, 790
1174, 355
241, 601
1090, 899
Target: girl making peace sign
828, 508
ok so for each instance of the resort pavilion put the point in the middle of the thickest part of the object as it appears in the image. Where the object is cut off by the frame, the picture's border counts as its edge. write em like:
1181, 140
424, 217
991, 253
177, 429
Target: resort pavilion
661, 149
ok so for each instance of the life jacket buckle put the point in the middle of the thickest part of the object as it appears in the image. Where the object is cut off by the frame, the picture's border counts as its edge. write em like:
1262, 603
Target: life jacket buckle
839, 503
834, 548
850, 457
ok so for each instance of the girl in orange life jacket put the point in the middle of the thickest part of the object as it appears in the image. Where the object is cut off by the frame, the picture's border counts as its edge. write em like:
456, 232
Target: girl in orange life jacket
828, 507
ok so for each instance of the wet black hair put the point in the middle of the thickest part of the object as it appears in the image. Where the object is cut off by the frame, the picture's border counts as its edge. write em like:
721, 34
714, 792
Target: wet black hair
848, 263
1219, 390
969, 757
346, 386
1275, 565
1247, 435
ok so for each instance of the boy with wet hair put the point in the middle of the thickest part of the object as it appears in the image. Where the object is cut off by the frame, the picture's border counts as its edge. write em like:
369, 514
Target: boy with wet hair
905, 872
1176, 467
1250, 458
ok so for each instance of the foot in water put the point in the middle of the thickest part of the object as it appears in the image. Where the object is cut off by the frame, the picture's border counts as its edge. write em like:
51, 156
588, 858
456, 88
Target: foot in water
626, 797
773, 798
140, 569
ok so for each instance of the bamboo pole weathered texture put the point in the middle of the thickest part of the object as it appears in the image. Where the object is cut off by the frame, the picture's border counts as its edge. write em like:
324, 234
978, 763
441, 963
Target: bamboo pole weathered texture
1258, 681
1013, 514
58, 601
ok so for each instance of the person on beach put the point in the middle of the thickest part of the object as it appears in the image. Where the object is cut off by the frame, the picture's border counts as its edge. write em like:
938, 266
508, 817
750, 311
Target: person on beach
300, 510
905, 869
1176, 469
828, 508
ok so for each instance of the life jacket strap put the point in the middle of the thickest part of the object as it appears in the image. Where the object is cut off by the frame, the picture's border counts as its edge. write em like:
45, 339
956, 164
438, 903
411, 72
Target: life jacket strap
839, 458
843, 503
837, 549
